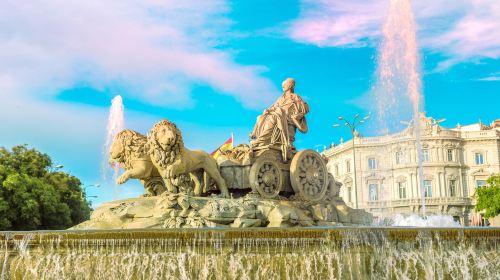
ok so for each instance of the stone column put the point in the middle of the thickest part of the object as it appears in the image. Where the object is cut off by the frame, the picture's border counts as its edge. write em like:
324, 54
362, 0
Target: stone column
417, 187
460, 189
445, 190
410, 186
439, 192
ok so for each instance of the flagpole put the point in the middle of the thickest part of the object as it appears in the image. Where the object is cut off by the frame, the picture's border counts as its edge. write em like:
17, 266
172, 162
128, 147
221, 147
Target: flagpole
232, 140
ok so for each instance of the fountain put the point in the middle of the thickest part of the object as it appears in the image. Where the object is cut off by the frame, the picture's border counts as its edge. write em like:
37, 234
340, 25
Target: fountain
261, 210
294, 253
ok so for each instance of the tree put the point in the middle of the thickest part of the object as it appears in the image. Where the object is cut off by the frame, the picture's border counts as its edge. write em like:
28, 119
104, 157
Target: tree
488, 197
33, 197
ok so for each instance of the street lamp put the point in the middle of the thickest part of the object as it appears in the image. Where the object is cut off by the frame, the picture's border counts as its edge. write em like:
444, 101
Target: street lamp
56, 168
352, 127
85, 190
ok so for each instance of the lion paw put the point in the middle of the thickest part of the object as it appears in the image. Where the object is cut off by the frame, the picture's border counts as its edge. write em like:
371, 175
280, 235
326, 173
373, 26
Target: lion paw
122, 179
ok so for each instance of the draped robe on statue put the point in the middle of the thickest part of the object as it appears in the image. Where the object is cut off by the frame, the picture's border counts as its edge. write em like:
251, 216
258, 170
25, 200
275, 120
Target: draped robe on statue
276, 127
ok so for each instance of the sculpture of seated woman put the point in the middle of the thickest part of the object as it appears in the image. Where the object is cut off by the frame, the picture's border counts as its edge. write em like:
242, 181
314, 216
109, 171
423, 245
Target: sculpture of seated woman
276, 127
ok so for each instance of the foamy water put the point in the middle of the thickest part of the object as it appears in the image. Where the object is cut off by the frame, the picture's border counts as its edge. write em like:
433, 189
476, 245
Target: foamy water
417, 221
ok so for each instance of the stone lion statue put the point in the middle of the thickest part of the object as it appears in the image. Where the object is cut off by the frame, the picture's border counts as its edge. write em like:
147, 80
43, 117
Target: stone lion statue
128, 149
172, 159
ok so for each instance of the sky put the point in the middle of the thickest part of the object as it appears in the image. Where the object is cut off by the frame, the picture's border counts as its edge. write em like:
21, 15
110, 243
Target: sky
213, 66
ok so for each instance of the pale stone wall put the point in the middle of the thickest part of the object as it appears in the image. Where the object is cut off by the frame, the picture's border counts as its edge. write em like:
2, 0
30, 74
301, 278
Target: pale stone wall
451, 169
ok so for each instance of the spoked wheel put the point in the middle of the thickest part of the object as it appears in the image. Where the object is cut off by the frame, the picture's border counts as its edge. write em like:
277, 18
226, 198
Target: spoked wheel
308, 175
266, 177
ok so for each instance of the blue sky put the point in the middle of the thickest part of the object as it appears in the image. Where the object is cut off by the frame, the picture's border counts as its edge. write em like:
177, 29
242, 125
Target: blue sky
213, 66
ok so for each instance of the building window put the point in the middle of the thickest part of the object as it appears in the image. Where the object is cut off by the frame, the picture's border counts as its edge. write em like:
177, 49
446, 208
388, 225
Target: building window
479, 158
349, 198
450, 155
427, 188
425, 155
453, 188
372, 164
372, 191
399, 156
348, 165
480, 183
336, 170
402, 190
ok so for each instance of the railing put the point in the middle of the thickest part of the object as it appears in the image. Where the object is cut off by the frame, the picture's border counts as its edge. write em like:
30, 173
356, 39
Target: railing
418, 201
388, 139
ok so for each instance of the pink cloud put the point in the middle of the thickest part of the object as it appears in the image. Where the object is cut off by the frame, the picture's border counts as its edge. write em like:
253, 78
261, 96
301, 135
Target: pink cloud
158, 49
461, 30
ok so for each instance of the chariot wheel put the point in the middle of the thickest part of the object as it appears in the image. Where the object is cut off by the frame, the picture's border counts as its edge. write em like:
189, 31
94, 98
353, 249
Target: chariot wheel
266, 177
308, 175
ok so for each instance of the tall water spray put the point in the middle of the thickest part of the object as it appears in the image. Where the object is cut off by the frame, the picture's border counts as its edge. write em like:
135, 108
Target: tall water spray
116, 123
398, 88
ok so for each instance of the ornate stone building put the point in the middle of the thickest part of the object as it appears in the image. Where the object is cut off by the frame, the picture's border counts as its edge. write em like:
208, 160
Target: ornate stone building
381, 174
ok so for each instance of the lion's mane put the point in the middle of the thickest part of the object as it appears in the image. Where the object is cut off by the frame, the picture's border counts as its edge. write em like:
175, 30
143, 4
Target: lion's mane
159, 155
134, 146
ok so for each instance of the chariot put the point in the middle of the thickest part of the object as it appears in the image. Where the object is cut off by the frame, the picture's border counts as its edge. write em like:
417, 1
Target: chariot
305, 175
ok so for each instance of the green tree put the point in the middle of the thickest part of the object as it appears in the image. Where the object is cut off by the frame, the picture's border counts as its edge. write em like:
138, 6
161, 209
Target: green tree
488, 198
34, 197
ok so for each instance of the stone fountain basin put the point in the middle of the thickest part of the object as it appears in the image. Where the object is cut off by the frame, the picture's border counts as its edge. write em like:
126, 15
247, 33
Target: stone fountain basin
275, 253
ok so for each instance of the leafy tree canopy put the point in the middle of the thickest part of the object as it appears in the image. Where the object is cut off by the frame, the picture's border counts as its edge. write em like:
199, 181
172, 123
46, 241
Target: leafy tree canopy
488, 198
34, 197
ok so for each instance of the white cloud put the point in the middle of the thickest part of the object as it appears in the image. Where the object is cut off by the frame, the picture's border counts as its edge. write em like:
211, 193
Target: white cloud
492, 78
155, 49
461, 30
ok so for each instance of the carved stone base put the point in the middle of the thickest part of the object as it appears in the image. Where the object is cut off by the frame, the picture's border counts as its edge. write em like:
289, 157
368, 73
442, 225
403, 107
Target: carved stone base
183, 211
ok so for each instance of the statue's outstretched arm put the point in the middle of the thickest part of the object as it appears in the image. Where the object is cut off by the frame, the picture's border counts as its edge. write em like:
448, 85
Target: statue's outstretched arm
301, 124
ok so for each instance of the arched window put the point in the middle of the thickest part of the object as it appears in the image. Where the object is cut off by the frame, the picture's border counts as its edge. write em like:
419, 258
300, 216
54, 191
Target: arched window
450, 155
425, 155
402, 190
399, 157
453, 188
479, 158
373, 192
427, 188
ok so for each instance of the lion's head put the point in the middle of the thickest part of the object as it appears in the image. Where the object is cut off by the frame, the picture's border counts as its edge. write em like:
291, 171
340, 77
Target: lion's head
164, 142
128, 145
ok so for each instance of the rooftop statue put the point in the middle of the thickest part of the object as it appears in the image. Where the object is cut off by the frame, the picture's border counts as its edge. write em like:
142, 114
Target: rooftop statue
265, 184
276, 127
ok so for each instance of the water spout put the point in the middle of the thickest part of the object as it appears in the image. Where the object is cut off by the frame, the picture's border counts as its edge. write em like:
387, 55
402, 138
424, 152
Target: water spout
398, 90
116, 123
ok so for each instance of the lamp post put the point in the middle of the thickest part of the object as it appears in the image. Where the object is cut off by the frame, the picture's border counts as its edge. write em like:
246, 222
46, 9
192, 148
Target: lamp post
352, 127
56, 168
85, 190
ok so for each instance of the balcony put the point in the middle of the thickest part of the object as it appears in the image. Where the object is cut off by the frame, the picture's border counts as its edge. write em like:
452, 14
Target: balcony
417, 202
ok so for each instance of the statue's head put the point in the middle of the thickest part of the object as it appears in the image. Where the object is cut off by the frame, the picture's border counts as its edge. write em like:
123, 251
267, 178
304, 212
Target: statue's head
288, 84
164, 142
127, 143
166, 135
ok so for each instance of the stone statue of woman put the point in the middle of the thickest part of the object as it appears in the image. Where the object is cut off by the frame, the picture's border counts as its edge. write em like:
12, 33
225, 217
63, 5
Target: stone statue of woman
276, 127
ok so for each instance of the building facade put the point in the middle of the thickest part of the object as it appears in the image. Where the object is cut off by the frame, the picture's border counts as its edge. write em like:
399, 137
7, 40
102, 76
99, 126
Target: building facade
381, 174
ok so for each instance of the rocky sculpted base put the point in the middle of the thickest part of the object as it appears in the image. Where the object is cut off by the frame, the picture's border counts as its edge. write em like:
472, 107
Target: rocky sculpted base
184, 211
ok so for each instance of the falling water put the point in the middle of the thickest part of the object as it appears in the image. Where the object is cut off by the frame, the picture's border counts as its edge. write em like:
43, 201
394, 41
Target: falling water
116, 123
295, 253
398, 87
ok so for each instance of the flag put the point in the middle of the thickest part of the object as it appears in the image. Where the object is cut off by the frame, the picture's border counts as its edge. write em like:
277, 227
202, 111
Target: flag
224, 147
